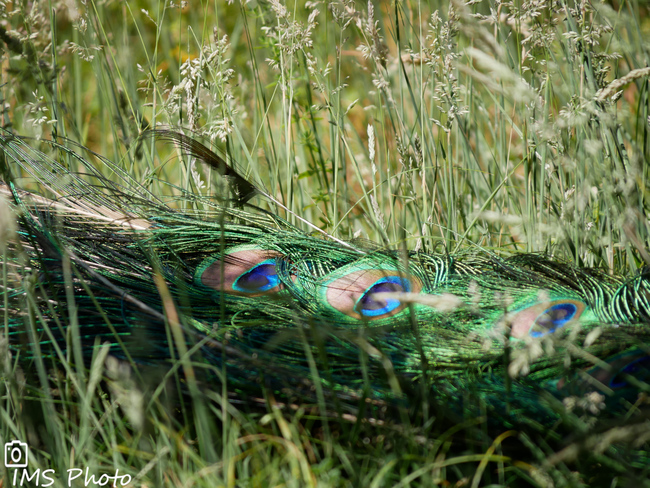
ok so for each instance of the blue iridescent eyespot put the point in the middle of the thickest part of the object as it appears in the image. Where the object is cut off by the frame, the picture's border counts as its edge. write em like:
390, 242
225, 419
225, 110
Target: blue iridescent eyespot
553, 318
369, 306
639, 369
545, 317
616, 375
243, 270
262, 277
355, 293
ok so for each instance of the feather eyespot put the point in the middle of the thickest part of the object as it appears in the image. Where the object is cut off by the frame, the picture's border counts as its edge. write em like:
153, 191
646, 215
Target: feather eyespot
638, 368
636, 365
247, 272
545, 318
553, 318
371, 306
616, 376
359, 294
260, 278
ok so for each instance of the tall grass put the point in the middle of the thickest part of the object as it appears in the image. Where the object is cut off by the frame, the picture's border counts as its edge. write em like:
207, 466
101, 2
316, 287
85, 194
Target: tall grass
446, 127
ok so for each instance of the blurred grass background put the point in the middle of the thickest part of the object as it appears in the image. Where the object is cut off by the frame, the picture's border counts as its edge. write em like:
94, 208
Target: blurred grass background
440, 126
492, 126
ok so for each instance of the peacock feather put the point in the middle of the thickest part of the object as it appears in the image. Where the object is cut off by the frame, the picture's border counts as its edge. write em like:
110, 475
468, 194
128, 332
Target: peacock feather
257, 303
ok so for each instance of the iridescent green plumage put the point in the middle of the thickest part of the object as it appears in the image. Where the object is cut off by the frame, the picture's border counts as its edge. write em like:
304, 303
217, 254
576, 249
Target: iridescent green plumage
272, 306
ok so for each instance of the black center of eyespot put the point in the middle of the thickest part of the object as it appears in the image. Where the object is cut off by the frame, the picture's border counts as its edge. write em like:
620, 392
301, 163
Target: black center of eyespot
262, 277
369, 306
553, 318
639, 369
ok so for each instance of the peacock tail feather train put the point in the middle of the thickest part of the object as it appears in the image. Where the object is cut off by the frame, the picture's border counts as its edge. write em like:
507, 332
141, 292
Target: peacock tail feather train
254, 297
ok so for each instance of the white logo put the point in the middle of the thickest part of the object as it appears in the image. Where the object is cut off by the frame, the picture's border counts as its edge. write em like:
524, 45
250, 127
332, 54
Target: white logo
16, 454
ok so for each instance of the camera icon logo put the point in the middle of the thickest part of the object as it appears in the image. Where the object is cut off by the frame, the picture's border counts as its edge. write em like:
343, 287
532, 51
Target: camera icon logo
16, 454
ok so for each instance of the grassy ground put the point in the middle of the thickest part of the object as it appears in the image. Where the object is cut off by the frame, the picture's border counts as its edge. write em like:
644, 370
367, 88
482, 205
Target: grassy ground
487, 125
